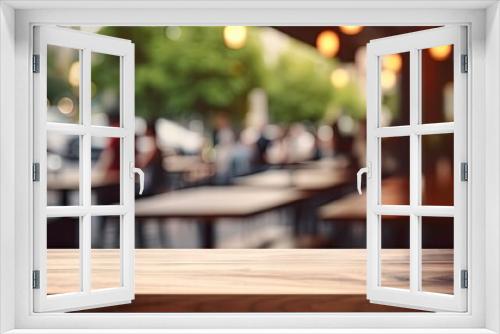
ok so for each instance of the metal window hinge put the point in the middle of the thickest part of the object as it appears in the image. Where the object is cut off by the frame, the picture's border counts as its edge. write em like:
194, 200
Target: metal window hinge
36, 63
36, 279
465, 64
464, 171
464, 279
36, 172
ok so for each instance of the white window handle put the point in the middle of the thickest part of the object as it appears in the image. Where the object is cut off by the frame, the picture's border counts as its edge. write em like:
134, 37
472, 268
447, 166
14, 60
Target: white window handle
134, 170
361, 171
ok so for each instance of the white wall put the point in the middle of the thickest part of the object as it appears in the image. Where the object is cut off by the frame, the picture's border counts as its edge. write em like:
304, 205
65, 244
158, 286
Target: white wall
492, 212
7, 166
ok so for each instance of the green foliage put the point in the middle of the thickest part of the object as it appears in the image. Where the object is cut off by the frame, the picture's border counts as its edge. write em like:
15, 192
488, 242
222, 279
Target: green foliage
194, 74
299, 85
351, 101
186, 72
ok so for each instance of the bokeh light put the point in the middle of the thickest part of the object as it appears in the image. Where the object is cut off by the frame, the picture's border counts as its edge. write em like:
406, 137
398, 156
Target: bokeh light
392, 62
351, 30
65, 105
235, 36
440, 52
339, 78
74, 74
387, 79
328, 43
173, 33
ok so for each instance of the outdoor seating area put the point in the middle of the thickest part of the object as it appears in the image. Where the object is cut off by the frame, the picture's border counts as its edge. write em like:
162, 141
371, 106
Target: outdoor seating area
249, 169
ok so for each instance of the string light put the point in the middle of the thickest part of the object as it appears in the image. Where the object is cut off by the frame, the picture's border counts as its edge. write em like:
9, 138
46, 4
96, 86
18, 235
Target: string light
339, 78
440, 53
392, 62
328, 43
351, 30
74, 74
235, 36
387, 79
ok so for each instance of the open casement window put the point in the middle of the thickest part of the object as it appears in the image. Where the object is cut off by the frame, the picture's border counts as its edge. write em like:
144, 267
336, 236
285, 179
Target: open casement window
65, 229
415, 138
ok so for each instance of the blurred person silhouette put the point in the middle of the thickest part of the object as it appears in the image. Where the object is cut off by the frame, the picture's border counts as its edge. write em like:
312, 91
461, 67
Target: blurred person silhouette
106, 173
295, 145
149, 158
224, 151
107, 166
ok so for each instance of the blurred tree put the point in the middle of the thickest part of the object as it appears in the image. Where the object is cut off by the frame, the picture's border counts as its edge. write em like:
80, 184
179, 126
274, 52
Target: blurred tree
299, 85
348, 100
186, 71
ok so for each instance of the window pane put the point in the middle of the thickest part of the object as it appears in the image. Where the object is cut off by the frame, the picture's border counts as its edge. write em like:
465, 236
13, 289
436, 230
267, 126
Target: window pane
395, 89
105, 89
63, 255
63, 172
395, 252
437, 169
395, 163
106, 154
437, 254
437, 84
106, 257
63, 84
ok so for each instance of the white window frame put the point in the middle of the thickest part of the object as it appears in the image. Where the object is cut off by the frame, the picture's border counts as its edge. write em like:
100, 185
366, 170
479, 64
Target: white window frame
413, 44
16, 21
85, 44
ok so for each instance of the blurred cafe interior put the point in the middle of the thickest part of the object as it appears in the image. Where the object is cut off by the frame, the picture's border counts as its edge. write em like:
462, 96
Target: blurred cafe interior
250, 139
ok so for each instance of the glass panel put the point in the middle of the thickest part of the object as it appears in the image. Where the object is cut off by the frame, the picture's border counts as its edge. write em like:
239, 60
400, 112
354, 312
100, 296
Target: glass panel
437, 84
395, 252
395, 89
437, 254
437, 169
63, 84
105, 89
105, 256
63, 172
63, 255
105, 170
395, 162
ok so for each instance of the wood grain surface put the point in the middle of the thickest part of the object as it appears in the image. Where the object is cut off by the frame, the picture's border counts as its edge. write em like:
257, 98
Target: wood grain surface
250, 303
250, 271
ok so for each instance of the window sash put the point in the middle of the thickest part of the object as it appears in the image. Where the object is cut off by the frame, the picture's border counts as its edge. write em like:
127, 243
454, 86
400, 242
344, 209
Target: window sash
86, 44
412, 43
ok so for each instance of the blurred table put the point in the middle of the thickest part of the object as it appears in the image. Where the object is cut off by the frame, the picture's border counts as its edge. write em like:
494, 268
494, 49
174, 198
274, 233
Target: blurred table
207, 204
191, 168
303, 179
320, 184
352, 207
268, 274
69, 179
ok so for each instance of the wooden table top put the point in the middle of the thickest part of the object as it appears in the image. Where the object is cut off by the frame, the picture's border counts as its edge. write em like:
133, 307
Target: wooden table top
304, 179
353, 206
250, 271
215, 202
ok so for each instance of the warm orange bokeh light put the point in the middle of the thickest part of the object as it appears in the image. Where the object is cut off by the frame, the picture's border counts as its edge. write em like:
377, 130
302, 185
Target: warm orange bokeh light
328, 43
235, 36
440, 52
392, 62
339, 78
387, 79
351, 30
74, 74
